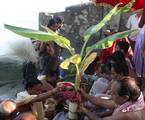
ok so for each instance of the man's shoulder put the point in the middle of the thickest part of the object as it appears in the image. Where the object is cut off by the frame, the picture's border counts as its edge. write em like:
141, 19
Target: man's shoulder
126, 116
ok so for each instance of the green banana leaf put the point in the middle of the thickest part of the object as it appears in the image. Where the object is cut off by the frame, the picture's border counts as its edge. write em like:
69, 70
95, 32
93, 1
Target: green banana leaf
88, 61
108, 41
41, 36
46, 29
59, 39
65, 64
128, 7
75, 59
95, 28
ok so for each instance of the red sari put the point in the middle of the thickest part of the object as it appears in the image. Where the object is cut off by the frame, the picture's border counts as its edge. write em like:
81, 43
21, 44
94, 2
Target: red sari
106, 53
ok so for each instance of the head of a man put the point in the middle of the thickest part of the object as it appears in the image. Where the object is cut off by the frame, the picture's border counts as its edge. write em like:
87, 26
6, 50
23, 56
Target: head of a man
52, 24
124, 90
122, 46
117, 57
58, 22
119, 70
34, 87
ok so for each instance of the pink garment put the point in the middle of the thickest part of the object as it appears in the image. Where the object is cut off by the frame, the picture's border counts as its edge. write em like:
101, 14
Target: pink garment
131, 106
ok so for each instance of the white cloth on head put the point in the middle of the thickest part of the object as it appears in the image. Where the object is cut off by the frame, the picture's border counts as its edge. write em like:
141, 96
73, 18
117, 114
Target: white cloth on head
24, 97
37, 107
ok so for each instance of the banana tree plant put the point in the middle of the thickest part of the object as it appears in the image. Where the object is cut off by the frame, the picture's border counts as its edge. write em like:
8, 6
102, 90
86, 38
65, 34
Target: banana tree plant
80, 60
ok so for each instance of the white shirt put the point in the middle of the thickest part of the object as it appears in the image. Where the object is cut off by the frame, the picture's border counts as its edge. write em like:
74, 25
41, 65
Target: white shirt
37, 107
99, 86
132, 23
24, 97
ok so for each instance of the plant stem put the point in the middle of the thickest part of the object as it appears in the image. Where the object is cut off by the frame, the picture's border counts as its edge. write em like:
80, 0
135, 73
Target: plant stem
81, 65
83, 48
71, 50
78, 78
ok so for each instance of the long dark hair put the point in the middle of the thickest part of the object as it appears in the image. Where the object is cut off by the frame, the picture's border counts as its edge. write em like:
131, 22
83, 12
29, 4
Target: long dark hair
121, 68
142, 21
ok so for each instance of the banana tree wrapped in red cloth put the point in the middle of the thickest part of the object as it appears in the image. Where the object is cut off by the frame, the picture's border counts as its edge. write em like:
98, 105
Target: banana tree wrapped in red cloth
139, 4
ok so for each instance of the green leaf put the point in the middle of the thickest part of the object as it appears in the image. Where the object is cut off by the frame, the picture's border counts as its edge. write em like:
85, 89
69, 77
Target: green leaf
128, 7
75, 59
65, 64
95, 28
41, 36
88, 61
107, 42
47, 29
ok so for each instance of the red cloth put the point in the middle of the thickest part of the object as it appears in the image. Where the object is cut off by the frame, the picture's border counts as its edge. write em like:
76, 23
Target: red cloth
73, 96
137, 5
106, 53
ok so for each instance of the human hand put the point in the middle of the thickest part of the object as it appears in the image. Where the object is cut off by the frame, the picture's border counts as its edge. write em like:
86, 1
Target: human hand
67, 85
82, 109
83, 93
60, 87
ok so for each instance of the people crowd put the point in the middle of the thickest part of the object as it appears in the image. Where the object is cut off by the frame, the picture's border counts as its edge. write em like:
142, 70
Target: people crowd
112, 87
